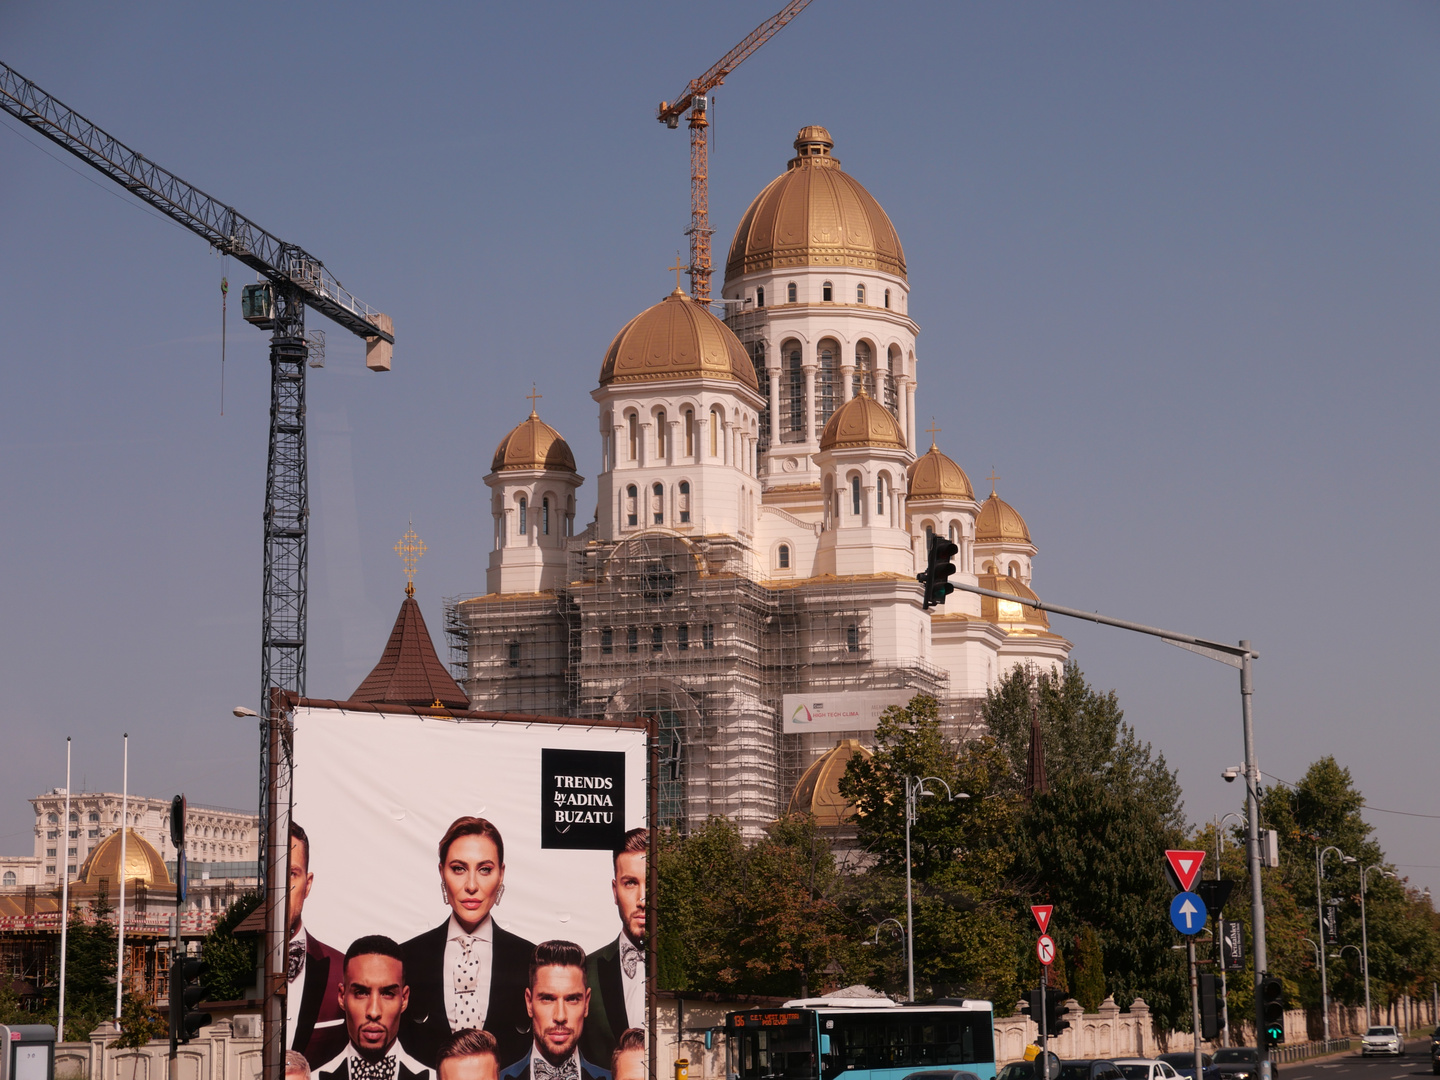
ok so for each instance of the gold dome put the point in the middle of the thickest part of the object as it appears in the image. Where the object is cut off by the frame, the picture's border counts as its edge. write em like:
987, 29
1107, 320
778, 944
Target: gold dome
676, 339
861, 421
533, 444
815, 214
935, 476
998, 522
143, 863
818, 791
1008, 612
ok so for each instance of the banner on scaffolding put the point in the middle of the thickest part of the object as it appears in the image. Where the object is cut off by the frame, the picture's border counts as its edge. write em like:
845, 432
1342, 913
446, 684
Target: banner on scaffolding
467, 844
845, 710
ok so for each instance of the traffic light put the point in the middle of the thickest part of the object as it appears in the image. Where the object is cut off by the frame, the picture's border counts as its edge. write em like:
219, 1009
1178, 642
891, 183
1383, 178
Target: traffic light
1055, 1021
1272, 999
1209, 1007
186, 992
938, 569
1031, 1006
177, 821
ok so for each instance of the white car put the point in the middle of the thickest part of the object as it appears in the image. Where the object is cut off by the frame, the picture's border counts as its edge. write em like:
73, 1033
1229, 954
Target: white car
1145, 1069
1382, 1040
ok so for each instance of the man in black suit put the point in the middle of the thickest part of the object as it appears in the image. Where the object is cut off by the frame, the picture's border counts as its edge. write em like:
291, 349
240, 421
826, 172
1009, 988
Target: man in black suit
374, 996
616, 972
314, 1022
557, 1000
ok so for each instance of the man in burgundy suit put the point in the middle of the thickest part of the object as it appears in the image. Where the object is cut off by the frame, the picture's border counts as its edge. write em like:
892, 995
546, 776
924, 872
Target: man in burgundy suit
314, 1022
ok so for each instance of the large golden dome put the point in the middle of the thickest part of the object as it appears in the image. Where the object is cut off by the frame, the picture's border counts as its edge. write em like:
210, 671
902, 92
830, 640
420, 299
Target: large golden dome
861, 421
814, 214
1008, 613
998, 522
818, 791
533, 444
935, 476
676, 339
142, 862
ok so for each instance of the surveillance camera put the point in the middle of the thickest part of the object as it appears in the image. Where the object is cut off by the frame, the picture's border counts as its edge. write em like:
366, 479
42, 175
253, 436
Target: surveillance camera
1230, 774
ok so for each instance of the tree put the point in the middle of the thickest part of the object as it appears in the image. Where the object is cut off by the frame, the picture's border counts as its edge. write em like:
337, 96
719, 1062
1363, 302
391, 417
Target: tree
230, 958
1088, 986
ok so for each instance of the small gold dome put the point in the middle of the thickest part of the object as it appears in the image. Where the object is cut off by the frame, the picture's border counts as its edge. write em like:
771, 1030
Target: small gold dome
998, 522
818, 791
533, 444
142, 862
814, 214
1008, 612
935, 476
676, 339
861, 421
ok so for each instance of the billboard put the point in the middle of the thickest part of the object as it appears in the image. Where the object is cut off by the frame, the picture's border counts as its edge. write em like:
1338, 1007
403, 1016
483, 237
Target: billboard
846, 710
447, 850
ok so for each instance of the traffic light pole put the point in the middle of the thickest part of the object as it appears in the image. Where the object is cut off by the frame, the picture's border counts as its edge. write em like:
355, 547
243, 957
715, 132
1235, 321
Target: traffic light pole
1194, 1002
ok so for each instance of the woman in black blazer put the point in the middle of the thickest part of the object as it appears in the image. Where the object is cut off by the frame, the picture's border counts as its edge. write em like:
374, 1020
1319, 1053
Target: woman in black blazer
446, 967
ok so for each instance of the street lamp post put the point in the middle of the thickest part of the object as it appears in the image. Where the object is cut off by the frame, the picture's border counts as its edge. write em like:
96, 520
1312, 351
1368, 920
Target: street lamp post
914, 792
1365, 938
1320, 854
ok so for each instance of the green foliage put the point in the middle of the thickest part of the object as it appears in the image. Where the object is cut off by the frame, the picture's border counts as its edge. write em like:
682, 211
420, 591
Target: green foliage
139, 1023
230, 959
1089, 983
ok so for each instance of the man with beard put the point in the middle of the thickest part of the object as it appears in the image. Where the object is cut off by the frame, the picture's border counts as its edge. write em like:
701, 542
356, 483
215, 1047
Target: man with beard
557, 1000
374, 996
616, 972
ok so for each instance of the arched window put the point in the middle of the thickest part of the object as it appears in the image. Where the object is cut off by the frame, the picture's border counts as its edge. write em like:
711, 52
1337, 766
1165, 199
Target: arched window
10, 879
783, 557
859, 294
634, 425
1015, 569
689, 433
545, 516
864, 369
684, 507
714, 432
662, 435
657, 503
825, 379
892, 393
929, 535
632, 509
760, 296
887, 298
94, 816
880, 495
524, 523
827, 292
855, 495
54, 819
796, 370
790, 293
955, 533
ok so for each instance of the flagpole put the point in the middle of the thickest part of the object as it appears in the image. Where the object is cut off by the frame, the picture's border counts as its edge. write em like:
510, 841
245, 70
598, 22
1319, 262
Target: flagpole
124, 826
64, 897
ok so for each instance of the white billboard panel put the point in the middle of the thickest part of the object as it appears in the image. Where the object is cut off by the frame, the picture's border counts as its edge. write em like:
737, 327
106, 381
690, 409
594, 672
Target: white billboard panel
375, 793
845, 710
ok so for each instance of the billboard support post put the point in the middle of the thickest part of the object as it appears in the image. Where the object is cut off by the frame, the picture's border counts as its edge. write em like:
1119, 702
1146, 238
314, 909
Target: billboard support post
277, 893
652, 879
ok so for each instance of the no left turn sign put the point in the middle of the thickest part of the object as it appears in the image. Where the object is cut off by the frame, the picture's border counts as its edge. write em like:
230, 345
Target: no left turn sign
1045, 949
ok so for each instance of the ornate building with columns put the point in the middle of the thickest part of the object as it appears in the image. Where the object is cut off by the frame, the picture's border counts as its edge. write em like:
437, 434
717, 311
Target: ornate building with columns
761, 512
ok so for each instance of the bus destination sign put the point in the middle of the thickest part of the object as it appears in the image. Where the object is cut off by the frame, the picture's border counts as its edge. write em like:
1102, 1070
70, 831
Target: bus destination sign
767, 1019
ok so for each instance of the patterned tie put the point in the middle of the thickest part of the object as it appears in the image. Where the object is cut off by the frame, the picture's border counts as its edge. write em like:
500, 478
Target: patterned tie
295, 961
467, 979
630, 958
567, 1070
384, 1069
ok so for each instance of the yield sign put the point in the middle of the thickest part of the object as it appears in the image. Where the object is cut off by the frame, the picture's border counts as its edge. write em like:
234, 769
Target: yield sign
1186, 865
1042, 915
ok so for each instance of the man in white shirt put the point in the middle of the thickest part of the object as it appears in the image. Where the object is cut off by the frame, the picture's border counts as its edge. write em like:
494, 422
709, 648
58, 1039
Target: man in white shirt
616, 972
314, 1022
557, 1000
374, 996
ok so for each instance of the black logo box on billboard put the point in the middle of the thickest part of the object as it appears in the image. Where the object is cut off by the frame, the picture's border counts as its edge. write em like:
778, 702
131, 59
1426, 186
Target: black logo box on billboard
582, 799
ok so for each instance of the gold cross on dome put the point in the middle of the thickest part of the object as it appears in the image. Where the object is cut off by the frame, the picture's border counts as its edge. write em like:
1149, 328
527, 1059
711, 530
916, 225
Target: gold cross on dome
992, 478
534, 395
410, 547
677, 268
933, 430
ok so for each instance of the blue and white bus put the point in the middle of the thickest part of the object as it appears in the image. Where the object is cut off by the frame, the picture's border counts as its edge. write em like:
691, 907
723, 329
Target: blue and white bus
860, 1039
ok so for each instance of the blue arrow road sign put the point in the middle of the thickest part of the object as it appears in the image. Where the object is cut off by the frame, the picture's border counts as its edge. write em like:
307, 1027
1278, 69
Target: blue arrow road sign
1187, 912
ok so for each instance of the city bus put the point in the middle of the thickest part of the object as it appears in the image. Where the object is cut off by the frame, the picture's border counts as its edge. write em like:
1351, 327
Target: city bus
860, 1039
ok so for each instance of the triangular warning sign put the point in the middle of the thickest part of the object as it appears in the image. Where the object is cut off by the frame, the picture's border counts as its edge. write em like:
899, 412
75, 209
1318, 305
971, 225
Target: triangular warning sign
1186, 865
1042, 915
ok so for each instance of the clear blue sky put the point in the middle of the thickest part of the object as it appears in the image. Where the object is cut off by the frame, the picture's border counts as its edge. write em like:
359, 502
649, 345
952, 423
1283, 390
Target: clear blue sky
1175, 268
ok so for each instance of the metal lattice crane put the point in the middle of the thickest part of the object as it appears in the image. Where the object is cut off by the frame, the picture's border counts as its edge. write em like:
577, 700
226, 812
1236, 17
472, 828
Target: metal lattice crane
294, 279
695, 101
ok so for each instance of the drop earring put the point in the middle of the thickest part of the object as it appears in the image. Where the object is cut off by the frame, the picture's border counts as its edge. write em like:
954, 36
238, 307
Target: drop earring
444, 896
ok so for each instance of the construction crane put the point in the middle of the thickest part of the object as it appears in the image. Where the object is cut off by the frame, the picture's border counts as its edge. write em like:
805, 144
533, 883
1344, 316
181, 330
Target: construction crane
695, 101
293, 280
